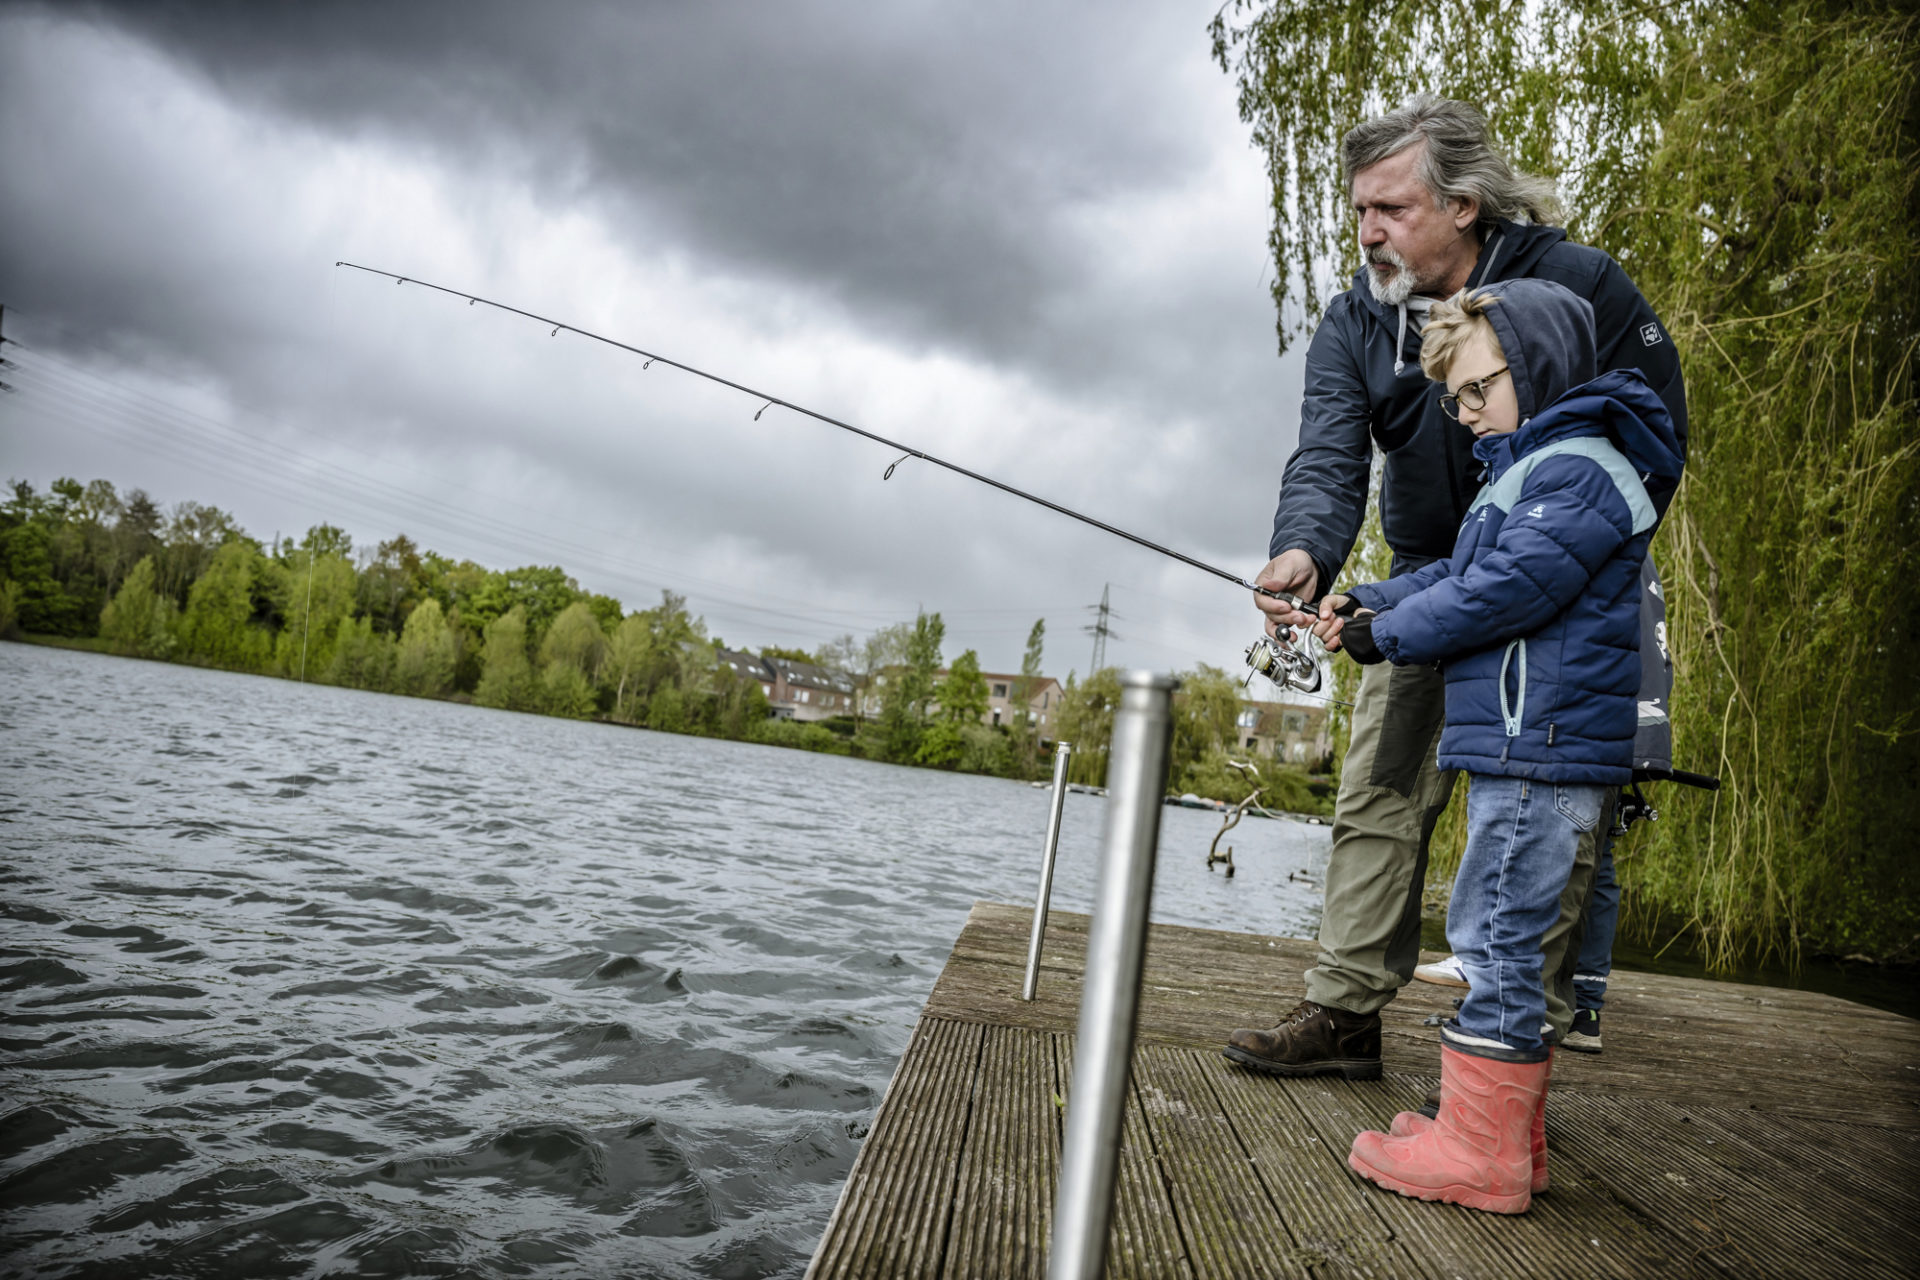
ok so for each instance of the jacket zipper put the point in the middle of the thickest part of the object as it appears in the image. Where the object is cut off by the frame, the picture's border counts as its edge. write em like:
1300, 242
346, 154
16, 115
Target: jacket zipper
1511, 718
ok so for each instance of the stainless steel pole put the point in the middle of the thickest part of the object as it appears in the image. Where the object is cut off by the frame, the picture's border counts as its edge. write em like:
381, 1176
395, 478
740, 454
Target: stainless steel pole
1061, 752
1110, 1001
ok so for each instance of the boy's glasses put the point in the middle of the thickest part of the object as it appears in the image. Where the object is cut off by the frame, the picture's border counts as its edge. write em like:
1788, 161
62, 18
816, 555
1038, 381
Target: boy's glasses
1471, 394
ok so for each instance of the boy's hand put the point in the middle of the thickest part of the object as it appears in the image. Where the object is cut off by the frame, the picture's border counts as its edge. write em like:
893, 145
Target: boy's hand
1334, 612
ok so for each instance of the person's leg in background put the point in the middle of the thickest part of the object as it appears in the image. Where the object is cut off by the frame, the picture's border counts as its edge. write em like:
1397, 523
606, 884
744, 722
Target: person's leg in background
1392, 793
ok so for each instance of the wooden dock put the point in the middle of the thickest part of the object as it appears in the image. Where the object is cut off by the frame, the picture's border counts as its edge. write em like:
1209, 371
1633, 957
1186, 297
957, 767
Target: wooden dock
1727, 1130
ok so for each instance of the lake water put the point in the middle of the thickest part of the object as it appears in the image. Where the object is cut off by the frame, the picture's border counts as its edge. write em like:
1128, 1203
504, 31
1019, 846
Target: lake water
302, 980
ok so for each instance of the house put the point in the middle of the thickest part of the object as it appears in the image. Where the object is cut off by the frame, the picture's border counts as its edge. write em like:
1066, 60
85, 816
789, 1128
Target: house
1043, 701
749, 666
803, 691
1285, 731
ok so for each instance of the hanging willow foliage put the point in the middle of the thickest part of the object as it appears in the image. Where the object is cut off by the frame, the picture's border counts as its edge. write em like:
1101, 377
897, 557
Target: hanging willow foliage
1753, 167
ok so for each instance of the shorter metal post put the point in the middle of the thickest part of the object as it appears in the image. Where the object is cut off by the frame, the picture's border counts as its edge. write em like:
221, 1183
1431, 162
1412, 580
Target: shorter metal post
1061, 752
1110, 1002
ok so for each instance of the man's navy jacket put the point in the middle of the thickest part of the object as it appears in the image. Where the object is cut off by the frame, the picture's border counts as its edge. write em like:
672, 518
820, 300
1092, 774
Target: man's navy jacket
1364, 386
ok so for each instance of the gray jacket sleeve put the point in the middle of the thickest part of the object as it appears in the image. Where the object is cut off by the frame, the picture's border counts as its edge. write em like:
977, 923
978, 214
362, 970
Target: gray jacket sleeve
1323, 491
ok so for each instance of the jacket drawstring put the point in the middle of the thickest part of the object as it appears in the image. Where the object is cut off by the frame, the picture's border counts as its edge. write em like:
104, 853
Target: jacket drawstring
1400, 343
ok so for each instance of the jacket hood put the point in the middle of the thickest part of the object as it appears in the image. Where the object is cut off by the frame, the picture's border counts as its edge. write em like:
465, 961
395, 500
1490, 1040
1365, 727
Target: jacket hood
1546, 333
1619, 406
1509, 250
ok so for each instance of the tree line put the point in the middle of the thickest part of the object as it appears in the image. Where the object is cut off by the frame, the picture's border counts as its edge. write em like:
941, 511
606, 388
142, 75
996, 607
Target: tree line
188, 584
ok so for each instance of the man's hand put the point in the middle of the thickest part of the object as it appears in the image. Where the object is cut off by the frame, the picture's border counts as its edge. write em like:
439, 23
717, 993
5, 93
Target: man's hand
1292, 572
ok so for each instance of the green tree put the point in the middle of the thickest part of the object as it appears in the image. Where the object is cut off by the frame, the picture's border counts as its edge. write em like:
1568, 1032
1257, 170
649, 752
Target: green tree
1085, 719
324, 540
192, 535
391, 581
316, 594
791, 655
506, 676
139, 620
1025, 732
629, 663
740, 705
571, 658
963, 694
540, 592
26, 557
908, 694
361, 658
1204, 711
218, 627
136, 533
863, 661
424, 662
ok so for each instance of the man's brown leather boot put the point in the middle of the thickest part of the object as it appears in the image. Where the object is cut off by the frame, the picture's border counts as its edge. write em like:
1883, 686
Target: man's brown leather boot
1313, 1040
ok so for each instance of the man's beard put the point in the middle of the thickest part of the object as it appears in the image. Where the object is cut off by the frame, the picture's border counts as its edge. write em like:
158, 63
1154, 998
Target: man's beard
1396, 288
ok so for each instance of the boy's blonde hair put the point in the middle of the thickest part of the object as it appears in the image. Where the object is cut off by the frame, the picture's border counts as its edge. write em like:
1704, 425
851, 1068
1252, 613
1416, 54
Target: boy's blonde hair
1451, 325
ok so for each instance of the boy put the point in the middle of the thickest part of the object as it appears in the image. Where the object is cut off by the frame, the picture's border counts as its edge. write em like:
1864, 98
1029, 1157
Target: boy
1535, 621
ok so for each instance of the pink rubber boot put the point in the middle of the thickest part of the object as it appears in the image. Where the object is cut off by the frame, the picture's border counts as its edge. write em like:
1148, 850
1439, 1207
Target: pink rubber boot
1408, 1123
1478, 1152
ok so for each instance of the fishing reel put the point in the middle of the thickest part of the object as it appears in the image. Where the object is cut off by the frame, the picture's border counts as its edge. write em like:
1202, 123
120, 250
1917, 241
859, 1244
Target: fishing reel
1285, 662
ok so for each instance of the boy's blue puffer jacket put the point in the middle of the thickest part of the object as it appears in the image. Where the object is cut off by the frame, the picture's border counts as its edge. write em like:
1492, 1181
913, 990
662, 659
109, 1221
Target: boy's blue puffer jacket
1536, 616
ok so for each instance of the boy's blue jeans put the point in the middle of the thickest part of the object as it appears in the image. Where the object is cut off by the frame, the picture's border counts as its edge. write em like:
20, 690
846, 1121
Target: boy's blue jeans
1521, 838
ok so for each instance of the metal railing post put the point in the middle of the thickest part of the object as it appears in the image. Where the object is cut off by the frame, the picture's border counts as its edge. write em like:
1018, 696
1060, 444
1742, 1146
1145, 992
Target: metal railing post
1110, 1001
1061, 752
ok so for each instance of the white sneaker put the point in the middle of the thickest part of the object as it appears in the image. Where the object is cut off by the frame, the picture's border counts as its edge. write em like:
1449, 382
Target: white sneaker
1443, 973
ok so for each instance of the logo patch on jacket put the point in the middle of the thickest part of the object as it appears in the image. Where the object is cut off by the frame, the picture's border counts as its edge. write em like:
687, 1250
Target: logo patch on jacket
1650, 333
1538, 511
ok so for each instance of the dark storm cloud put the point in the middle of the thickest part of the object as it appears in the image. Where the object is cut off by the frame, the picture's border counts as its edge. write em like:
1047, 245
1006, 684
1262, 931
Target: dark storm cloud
891, 156
1025, 240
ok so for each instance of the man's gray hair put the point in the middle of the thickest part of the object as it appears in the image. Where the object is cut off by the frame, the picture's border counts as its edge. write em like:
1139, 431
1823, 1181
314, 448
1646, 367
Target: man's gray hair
1458, 162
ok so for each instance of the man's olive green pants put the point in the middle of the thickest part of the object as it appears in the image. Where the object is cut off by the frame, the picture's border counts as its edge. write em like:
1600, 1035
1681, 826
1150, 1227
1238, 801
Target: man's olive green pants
1392, 793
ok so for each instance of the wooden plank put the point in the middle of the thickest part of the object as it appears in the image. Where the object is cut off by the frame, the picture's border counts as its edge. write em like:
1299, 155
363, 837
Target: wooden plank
1692, 1042
1808, 1173
1230, 1226
1145, 1241
1705, 1194
1335, 1229
1003, 1204
1728, 1130
1577, 1228
1444, 1237
893, 1214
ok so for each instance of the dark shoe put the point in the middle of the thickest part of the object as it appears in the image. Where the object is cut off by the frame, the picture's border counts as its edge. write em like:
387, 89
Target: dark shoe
1584, 1035
1313, 1040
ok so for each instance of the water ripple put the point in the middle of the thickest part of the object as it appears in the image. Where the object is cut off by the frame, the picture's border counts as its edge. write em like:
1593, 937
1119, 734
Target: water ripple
304, 981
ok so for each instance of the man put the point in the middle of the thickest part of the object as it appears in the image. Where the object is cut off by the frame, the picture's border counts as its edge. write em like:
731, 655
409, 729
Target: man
1440, 210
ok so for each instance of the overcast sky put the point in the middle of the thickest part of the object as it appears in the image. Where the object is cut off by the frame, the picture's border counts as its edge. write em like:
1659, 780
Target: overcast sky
1027, 239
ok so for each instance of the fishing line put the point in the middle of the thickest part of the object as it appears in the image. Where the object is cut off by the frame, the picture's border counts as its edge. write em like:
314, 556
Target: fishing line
908, 451
1281, 662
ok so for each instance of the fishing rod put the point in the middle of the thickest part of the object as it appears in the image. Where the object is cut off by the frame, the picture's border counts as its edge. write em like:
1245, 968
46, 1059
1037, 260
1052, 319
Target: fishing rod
1264, 655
